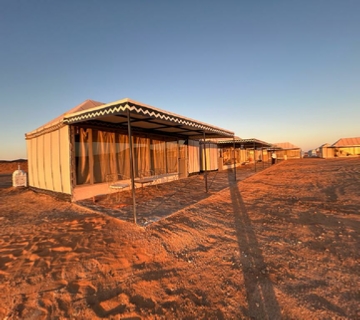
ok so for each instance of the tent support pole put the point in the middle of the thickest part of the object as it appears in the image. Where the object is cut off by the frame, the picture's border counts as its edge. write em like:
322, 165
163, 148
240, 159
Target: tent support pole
254, 157
132, 165
205, 172
91, 155
234, 158
178, 156
241, 152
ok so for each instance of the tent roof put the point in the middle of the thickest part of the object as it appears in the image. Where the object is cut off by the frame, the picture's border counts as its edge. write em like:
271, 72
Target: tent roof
285, 145
144, 118
347, 142
55, 123
324, 145
247, 143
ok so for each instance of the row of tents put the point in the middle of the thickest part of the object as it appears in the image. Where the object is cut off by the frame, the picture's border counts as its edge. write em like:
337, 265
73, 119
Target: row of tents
73, 154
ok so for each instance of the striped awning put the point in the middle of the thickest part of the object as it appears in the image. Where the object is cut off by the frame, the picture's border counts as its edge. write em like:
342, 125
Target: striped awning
245, 143
147, 119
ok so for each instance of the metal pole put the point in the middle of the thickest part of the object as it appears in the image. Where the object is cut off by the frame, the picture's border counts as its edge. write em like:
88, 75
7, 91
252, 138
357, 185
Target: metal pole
254, 157
178, 156
205, 173
132, 165
262, 156
234, 158
241, 152
269, 158
165, 158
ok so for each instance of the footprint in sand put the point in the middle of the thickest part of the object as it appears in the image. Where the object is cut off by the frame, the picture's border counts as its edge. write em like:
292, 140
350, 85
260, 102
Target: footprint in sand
61, 249
58, 275
6, 261
115, 305
82, 287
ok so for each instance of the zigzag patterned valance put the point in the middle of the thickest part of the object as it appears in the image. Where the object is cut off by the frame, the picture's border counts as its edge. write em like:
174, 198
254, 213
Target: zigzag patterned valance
247, 143
147, 117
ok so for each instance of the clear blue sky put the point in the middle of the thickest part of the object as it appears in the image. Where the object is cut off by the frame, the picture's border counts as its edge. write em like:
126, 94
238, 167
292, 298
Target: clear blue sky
273, 70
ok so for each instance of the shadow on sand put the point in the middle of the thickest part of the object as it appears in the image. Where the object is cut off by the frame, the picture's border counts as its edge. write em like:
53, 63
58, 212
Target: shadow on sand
261, 297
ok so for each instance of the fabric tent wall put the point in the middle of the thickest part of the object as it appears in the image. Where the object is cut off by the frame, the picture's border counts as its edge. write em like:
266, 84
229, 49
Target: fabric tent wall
194, 156
293, 154
241, 156
326, 152
49, 161
227, 155
99, 153
347, 151
211, 156
289, 153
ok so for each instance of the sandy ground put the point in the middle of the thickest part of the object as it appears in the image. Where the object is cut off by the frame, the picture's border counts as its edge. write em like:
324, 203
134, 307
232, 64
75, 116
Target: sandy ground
7, 168
281, 244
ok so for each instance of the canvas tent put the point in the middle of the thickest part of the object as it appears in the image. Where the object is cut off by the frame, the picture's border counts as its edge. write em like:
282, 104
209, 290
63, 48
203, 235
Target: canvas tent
345, 147
325, 151
242, 150
286, 150
72, 154
48, 153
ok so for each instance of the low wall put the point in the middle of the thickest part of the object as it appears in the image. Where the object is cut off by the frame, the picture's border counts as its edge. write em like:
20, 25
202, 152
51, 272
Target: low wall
88, 191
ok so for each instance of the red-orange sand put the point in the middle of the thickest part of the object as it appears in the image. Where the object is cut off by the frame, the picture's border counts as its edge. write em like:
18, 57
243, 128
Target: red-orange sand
281, 244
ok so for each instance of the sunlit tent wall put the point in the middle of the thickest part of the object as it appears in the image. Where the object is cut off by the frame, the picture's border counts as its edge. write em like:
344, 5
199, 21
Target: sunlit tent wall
48, 153
326, 151
241, 151
287, 150
346, 147
49, 161
193, 151
73, 154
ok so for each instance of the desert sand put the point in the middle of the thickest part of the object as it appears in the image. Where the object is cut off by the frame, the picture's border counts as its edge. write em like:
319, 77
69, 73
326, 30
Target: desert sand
279, 244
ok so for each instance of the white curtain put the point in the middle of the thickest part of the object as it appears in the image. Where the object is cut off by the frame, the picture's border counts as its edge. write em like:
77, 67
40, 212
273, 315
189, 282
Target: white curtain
172, 156
211, 156
122, 150
111, 154
141, 155
158, 157
82, 156
194, 156
104, 154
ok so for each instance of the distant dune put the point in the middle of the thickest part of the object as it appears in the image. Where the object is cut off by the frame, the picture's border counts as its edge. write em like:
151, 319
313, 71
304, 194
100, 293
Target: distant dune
9, 166
16, 160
